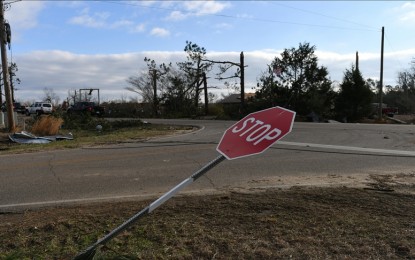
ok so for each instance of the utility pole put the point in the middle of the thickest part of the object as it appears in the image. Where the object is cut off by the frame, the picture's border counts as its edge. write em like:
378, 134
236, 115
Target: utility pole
381, 75
155, 100
242, 68
206, 94
9, 101
357, 61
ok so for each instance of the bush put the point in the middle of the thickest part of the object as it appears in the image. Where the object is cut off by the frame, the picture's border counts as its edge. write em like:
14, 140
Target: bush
47, 125
88, 122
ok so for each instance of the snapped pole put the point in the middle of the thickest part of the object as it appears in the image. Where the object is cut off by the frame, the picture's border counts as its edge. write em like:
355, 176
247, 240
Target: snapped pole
90, 251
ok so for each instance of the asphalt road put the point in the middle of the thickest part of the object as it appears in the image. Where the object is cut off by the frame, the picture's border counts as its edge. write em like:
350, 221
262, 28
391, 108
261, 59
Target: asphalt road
151, 168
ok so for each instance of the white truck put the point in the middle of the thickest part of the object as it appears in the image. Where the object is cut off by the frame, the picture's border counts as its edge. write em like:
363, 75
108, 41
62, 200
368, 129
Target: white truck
39, 108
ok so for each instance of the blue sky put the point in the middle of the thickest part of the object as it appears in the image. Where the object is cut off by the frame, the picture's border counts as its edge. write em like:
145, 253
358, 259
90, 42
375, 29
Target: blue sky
68, 45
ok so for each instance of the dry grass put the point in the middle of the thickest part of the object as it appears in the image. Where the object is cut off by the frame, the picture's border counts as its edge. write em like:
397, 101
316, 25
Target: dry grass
47, 125
299, 223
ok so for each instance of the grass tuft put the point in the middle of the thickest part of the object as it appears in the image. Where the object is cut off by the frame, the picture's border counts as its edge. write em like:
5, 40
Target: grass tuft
47, 125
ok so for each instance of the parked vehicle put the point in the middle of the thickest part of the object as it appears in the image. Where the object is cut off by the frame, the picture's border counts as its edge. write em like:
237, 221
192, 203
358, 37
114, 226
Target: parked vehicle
39, 108
86, 107
390, 111
17, 107
386, 110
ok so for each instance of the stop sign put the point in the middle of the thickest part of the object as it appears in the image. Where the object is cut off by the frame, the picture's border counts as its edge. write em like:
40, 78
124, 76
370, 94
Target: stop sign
256, 132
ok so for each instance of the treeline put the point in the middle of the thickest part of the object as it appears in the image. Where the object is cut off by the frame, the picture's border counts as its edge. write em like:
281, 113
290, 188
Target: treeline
295, 80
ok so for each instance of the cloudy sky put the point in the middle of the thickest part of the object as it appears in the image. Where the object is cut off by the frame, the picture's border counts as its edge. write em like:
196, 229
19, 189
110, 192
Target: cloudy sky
71, 45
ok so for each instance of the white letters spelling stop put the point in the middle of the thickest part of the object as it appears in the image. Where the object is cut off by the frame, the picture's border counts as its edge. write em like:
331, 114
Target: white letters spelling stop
256, 132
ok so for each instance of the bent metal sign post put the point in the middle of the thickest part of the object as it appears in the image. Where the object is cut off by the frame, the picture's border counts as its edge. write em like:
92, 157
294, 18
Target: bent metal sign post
252, 135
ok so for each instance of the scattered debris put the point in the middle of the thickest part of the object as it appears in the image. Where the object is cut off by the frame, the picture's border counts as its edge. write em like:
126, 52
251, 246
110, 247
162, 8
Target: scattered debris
24, 137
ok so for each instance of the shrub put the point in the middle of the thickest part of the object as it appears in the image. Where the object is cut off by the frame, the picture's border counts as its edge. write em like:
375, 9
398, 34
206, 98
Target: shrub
47, 125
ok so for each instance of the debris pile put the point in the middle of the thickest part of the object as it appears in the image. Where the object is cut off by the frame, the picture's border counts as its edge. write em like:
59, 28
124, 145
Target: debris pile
24, 137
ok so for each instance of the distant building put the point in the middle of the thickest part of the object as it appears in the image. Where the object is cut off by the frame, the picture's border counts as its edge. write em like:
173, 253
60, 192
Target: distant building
235, 98
232, 104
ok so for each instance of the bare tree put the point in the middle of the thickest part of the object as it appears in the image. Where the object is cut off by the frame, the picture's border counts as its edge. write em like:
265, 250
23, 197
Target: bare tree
51, 96
224, 67
142, 85
150, 83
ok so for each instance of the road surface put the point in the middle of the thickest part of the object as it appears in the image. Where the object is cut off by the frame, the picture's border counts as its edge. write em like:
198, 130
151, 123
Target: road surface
312, 153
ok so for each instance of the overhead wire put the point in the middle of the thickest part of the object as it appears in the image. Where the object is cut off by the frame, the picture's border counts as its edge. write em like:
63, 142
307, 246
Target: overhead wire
324, 15
249, 18
361, 26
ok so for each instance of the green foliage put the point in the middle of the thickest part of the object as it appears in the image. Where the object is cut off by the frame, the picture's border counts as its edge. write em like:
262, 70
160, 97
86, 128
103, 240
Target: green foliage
193, 70
300, 85
355, 97
216, 110
403, 99
402, 96
127, 110
173, 91
88, 122
177, 100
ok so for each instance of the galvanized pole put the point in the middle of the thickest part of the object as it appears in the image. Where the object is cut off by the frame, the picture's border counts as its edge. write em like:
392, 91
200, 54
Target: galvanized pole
90, 251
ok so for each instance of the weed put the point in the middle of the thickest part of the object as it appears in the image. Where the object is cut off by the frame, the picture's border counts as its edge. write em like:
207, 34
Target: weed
47, 125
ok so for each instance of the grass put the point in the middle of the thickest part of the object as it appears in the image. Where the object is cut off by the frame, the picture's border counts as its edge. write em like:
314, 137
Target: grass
85, 133
299, 223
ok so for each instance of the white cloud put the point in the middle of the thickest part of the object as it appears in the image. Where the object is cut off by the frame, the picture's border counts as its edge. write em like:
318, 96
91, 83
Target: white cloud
197, 8
96, 20
205, 7
101, 20
138, 28
176, 16
146, 3
408, 12
122, 23
23, 15
160, 32
63, 71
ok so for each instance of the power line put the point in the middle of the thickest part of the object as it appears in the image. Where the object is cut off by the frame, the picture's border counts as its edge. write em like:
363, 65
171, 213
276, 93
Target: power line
250, 18
324, 15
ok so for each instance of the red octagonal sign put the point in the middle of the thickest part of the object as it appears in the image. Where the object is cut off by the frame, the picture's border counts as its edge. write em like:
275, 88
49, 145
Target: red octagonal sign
256, 132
